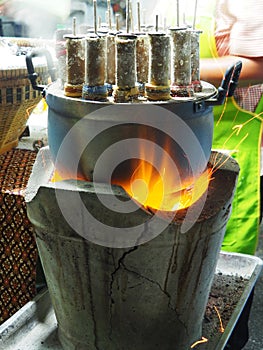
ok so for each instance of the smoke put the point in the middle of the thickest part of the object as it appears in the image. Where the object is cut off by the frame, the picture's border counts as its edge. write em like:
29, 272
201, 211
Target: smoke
40, 17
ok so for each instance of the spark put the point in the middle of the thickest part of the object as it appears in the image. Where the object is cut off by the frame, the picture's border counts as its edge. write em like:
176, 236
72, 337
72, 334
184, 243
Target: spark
238, 128
218, 164
202, 341
221, 115
258, 116
222, 329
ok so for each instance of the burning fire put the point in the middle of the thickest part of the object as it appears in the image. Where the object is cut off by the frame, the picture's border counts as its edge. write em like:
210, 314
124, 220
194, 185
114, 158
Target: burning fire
156, 190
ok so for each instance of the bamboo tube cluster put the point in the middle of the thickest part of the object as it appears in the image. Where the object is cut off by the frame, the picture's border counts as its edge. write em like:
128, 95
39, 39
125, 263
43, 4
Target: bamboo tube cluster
129, 65
155, 65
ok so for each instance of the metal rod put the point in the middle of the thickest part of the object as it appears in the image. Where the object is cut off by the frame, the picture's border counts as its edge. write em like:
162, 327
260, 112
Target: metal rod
131, 17
139, 15
157, 23
109, 13
195, 11
74, 22
117, 21
107, 18
95, 16
178, 13
127, 16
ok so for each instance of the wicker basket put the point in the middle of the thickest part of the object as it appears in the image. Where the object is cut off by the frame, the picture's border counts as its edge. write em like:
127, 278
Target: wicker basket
17, 99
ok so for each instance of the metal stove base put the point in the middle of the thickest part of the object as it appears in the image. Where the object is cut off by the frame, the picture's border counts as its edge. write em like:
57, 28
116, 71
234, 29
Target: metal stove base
34, 326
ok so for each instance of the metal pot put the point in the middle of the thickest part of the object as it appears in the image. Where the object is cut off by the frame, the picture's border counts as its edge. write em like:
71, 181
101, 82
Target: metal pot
104, 141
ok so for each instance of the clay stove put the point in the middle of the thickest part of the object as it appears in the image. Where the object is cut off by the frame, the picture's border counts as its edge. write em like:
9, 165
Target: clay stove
146, 296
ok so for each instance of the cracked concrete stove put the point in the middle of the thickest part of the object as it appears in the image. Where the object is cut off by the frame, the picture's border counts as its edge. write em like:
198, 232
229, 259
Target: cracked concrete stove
151, 293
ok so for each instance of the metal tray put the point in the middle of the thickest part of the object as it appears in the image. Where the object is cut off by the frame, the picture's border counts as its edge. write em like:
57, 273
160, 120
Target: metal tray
34, 326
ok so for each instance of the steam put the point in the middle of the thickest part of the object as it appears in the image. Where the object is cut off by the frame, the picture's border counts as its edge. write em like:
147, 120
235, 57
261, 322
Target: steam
40, 17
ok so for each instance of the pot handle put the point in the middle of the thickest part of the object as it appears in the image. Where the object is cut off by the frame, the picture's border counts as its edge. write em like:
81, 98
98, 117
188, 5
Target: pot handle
228, 85
32, 75
234, 80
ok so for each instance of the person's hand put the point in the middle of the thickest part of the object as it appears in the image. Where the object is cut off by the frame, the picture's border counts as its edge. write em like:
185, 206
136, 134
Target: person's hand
212, 70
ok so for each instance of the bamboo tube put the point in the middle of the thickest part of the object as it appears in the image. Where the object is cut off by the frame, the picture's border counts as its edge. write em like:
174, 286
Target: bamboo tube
181, 62
158, 86
195, 60
125, 89
95, 68
75, 63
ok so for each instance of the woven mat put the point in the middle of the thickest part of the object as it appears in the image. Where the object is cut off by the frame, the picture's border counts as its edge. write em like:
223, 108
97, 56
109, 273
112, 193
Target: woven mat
18, 252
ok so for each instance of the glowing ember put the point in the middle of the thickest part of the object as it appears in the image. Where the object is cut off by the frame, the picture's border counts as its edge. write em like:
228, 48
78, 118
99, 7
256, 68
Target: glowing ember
155, 190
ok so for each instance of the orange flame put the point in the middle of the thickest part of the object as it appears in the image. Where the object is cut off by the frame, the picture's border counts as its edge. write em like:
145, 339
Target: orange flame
157, 190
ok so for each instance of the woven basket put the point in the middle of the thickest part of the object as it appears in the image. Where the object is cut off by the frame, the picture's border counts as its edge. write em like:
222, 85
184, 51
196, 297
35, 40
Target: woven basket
17, 99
